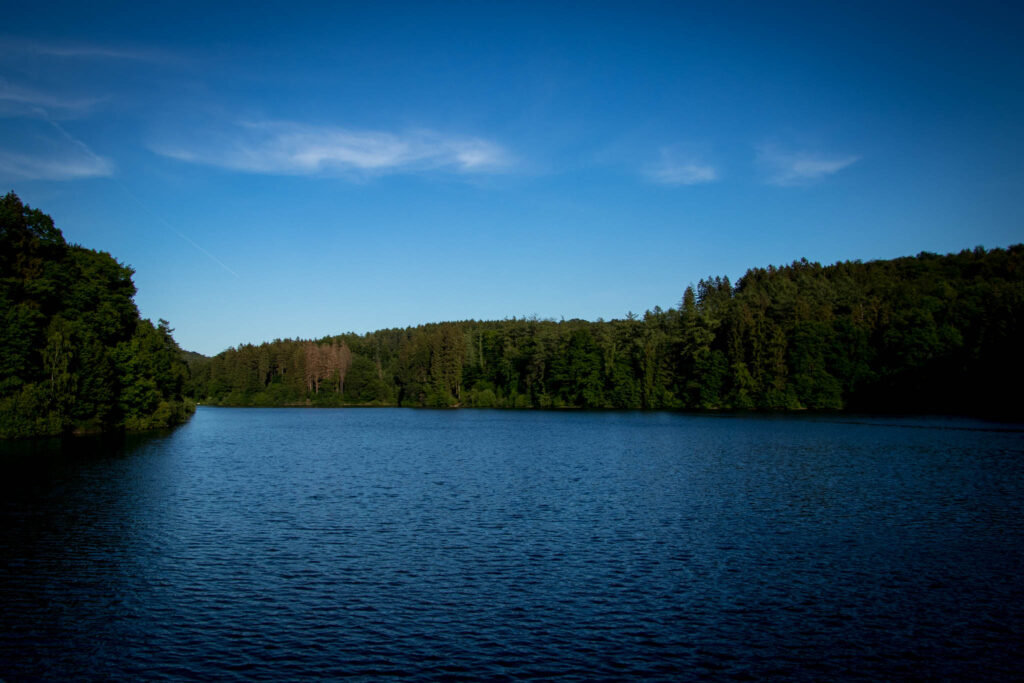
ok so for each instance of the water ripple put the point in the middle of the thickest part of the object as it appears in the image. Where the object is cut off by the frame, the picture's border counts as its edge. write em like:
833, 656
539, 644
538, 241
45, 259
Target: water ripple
460, 545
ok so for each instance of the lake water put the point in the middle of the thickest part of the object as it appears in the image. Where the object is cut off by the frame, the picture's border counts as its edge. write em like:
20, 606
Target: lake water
278, 544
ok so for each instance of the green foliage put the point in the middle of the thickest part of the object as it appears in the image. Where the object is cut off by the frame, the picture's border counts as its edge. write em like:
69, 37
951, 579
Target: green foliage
74, 355
922, 333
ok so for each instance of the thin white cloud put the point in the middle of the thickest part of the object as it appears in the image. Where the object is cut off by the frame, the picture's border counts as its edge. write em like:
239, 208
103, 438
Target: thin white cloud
67, 166
676, 168
16, 100
787, 168
288, 148
39, 148
81, 50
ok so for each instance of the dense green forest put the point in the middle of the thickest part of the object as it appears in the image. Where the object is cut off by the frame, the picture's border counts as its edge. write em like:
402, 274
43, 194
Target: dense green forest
74, 354
925, 333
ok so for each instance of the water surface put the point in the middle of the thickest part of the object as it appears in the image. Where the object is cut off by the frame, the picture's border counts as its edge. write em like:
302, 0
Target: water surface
270, 544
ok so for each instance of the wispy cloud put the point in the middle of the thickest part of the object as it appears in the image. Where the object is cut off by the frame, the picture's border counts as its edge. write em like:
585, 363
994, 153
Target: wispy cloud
678, 168
787, 168
66, 166
16, 100
35, 147
288, 148
82, 50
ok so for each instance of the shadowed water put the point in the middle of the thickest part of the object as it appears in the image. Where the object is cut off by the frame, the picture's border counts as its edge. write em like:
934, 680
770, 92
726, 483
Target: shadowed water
275, 544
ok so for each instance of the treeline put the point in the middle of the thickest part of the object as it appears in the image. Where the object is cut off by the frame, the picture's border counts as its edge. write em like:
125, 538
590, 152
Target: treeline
925, 333
74, 354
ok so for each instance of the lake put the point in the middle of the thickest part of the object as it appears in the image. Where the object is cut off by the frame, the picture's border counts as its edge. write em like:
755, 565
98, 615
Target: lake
285, 543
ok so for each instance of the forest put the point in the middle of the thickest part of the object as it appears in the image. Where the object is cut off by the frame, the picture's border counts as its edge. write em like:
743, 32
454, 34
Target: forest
930, 333
74, 354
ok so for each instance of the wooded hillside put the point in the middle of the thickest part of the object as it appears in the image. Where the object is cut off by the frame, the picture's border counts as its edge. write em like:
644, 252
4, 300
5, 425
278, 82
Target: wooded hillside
924, 333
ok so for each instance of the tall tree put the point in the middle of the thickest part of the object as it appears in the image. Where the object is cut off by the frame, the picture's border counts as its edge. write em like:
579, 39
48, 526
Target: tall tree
74, 354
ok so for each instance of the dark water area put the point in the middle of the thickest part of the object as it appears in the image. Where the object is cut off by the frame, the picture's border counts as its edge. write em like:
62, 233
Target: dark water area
291, 543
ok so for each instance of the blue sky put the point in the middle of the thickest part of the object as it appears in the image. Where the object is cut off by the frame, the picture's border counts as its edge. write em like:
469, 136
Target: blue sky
303, 169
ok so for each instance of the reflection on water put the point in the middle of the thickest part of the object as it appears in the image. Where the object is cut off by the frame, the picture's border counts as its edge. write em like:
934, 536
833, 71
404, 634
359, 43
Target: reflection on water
444, 544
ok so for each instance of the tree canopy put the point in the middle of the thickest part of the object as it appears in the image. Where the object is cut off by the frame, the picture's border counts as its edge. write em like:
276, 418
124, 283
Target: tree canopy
925, 333
74, 353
